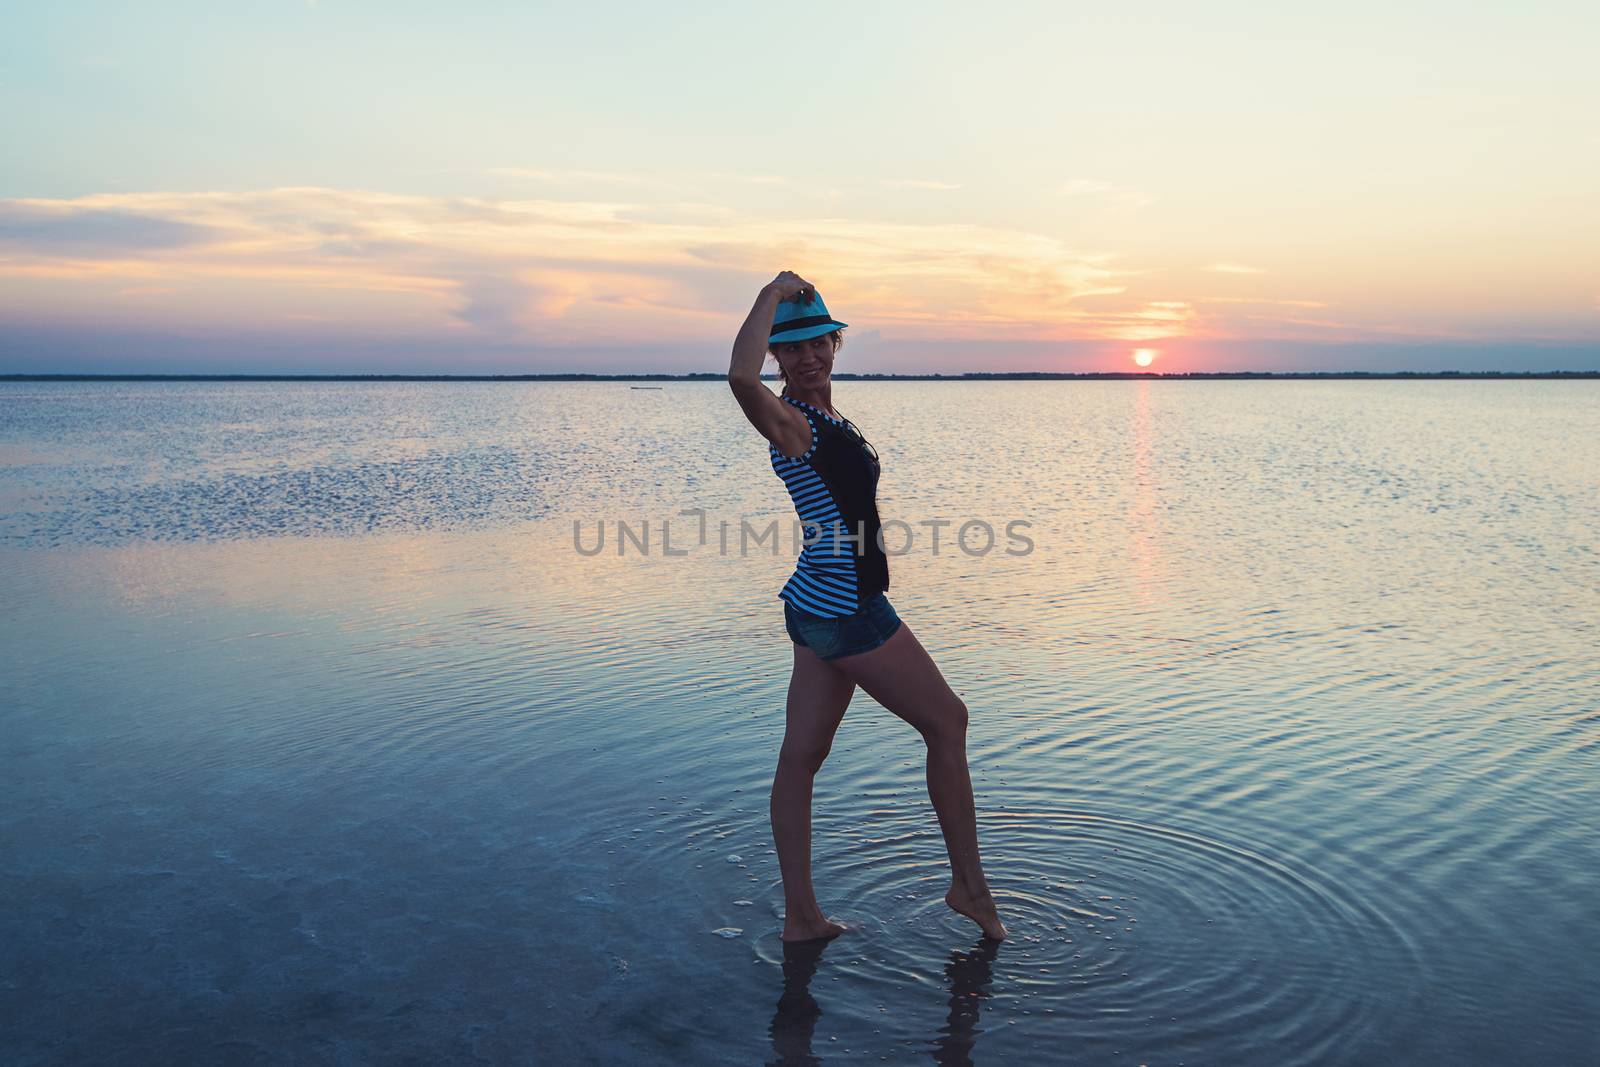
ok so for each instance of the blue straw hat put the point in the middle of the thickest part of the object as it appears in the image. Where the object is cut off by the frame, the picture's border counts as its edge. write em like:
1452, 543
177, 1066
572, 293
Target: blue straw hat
802, 321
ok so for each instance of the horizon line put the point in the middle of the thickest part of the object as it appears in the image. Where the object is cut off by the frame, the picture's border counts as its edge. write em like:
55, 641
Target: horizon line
701, 376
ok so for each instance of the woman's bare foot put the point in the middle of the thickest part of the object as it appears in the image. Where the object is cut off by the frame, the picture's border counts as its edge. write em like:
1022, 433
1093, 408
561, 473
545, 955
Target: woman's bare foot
980, 909
812, 930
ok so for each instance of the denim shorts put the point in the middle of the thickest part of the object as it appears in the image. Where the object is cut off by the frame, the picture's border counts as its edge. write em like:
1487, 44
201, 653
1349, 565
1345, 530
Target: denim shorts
851, 635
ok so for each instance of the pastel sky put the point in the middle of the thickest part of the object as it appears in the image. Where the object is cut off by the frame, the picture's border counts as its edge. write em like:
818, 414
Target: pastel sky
360, 187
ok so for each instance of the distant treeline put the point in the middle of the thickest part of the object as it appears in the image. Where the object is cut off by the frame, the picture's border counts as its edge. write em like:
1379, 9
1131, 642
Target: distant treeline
971, 376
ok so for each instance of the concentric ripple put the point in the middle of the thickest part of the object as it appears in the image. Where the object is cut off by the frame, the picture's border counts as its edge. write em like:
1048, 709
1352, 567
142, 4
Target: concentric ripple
1128, 935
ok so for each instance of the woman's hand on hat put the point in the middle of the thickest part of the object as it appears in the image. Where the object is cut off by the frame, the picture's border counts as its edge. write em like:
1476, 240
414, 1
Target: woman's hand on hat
789, 285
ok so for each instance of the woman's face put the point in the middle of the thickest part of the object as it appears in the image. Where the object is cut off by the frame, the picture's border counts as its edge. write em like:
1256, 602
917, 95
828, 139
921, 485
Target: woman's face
806, 363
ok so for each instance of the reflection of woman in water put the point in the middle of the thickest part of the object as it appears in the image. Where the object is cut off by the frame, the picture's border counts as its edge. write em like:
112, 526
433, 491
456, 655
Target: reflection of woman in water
795, 1021
794, 1024
970, 974
845, 632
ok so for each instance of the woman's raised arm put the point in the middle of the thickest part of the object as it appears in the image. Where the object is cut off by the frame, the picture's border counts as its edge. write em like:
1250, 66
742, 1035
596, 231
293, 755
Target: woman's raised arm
780, 423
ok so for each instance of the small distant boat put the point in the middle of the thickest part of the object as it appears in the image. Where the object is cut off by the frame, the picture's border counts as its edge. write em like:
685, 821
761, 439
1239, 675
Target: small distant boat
644, 387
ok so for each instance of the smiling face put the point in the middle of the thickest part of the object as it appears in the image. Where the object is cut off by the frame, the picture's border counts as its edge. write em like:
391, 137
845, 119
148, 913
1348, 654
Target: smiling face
807, 364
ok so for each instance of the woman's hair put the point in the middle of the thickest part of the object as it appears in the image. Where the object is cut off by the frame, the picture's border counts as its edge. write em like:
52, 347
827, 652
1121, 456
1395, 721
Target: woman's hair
772, 350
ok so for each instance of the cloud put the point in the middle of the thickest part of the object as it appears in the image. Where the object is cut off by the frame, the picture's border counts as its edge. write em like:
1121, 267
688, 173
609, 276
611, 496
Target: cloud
496, 306
753, 179
1114, 194
1266, 301
567, 272
1084, 187
1233, 268
558, 271
917, 183
587, 177
673, 182
52, 227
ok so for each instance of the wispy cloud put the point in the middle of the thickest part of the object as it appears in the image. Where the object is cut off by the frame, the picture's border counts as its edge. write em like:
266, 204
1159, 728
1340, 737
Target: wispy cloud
55, 227
562, 272
1265, 301
588, 177
673, 181
1117, 195
1084, 187
752, 179
918, 183
570, 271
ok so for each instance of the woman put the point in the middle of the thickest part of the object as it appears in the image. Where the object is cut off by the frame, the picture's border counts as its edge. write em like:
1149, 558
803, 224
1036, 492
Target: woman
844, 630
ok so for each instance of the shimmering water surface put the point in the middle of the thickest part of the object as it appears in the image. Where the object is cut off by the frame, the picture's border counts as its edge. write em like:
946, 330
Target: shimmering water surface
322, 743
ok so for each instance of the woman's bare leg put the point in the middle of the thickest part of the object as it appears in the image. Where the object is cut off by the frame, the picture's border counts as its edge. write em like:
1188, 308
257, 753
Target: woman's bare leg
900, 675
818, 697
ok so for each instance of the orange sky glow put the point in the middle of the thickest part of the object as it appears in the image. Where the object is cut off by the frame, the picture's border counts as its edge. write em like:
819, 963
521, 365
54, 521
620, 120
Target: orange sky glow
509, 208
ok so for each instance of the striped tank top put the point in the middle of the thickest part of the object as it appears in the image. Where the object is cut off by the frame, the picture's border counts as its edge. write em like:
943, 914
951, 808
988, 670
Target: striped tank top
834, 487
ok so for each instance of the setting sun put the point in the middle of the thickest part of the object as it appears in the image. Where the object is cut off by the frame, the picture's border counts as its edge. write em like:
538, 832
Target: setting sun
1144, 356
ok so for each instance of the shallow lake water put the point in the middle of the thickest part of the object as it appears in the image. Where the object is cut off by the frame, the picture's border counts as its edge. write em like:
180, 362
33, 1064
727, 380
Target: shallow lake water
325, 738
